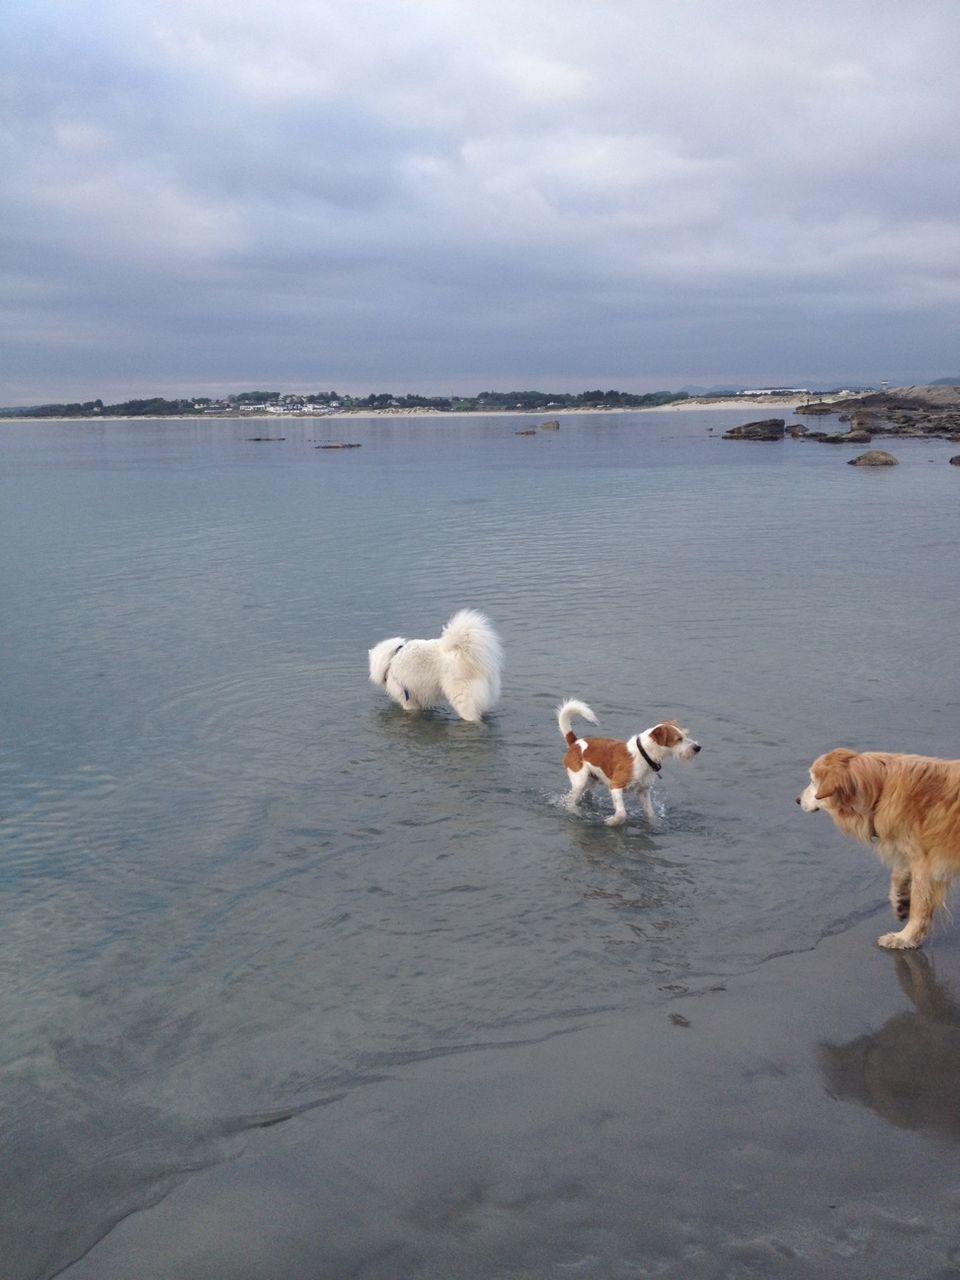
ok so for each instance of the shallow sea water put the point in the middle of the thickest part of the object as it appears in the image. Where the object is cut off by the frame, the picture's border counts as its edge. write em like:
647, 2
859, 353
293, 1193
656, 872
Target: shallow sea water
238, 884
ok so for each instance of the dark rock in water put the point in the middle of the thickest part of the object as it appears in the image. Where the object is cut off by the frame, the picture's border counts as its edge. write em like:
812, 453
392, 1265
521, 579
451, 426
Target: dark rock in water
766, 429
955, 460
338, 445
873, 458
551, 424
262, 439
797, 431
527, 431
847, 437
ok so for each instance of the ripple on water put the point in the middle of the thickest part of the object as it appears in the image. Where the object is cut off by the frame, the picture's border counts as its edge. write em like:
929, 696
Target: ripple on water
236, 880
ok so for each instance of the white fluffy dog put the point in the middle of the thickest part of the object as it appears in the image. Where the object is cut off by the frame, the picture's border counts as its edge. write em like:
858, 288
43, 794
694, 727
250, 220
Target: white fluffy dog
461, 667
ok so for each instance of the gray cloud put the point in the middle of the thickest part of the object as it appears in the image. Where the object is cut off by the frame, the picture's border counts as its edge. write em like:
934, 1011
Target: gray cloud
451, 194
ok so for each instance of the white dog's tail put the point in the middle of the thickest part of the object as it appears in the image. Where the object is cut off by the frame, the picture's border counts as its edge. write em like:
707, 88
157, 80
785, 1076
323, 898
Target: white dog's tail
475, 655
470, 637
565, 713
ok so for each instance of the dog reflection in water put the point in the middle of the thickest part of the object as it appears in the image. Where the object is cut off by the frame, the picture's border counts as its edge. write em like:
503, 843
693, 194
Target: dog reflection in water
908, 1072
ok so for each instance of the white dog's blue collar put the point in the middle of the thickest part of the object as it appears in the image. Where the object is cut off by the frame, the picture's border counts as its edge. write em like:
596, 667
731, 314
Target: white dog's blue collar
406, 691
386, 669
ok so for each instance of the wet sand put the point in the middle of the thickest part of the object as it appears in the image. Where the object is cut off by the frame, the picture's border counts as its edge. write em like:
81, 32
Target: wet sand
798, 1120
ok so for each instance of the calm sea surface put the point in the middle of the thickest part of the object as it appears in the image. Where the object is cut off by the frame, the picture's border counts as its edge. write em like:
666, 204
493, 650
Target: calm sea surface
237, 883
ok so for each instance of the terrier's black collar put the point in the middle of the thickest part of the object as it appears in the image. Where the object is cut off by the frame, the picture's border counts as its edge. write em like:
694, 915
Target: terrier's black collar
652, 763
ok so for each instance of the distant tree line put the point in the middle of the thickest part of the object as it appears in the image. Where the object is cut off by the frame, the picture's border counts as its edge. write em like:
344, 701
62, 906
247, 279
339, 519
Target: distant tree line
486, 401
97, 409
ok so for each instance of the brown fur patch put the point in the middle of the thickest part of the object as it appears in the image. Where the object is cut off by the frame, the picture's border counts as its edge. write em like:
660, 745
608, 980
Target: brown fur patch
853, 782
668, 734
906, 800
606, 754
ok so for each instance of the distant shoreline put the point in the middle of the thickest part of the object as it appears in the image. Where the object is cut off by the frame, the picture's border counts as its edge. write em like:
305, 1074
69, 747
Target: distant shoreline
731, 403
725, 403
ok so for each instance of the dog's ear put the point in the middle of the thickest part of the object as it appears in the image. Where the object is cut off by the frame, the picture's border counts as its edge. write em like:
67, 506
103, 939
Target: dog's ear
666, 734
852, 780
867, 777
832, 773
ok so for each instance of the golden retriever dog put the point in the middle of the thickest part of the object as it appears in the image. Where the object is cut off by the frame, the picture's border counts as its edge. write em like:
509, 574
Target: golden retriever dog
906, 807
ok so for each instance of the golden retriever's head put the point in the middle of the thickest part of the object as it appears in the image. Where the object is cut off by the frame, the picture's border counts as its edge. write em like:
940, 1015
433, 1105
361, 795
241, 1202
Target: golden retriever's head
845, 783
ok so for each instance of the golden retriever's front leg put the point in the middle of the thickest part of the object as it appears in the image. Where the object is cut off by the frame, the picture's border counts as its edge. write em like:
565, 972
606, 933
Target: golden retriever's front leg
925, 896
900, 894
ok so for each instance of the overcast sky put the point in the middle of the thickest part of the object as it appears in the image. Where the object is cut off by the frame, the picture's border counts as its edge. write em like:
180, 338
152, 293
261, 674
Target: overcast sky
469, 194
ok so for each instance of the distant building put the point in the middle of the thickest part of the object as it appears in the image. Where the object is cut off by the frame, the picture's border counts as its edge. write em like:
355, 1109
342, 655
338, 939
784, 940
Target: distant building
775, 391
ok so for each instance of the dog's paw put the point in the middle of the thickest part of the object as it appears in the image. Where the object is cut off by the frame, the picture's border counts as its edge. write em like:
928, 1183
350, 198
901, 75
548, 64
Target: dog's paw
897, 942
615, 820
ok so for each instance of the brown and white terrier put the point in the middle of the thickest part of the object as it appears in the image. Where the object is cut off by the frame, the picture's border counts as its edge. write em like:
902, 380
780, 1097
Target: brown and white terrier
619, 765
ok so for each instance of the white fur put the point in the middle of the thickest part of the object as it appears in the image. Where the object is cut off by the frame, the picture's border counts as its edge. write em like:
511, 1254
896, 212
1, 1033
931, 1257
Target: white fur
567, 710
807, 799
461, 667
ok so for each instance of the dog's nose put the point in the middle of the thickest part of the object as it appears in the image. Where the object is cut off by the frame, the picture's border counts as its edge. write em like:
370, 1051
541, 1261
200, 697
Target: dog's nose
798, 799
696, 747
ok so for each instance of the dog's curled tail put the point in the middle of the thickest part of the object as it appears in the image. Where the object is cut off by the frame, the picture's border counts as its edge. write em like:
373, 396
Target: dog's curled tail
565, 713
473, 640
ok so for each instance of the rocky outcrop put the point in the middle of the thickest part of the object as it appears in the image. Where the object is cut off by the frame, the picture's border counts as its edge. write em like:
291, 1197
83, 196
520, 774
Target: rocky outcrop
955, 460
816, 408
551, 424
907, 411
873, 458
766, 429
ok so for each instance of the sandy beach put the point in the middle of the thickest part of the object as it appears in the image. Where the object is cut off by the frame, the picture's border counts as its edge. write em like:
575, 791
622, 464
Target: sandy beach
746, 403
